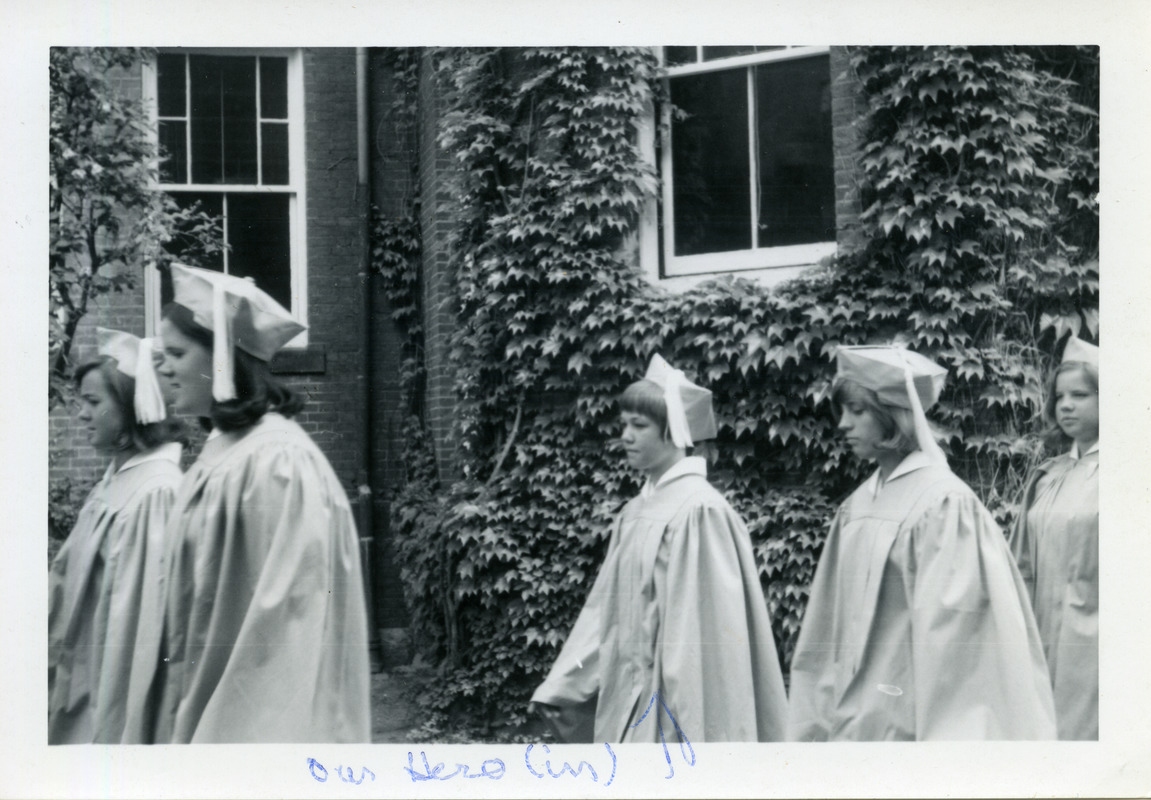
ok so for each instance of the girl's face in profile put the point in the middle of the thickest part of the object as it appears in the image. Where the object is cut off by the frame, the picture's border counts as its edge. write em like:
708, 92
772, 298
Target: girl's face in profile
1077, 407
99, 412
646, 447
861, 429
188, 369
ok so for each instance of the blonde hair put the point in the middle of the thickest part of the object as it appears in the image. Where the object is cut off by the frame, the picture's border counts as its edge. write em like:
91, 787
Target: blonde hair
897, 424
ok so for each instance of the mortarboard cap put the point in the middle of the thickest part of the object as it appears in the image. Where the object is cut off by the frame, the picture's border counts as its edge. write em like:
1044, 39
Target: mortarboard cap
882, 369
1079, 350
238, 313
134, 358
690, 417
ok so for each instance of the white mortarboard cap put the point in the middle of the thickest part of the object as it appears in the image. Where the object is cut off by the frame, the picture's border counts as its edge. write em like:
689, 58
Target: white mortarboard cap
690, 417
883, 368
1079, 350
238, 313
134, 358
900, 378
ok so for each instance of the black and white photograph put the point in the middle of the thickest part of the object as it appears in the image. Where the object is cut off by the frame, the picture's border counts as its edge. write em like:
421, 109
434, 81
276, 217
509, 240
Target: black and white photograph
634, 410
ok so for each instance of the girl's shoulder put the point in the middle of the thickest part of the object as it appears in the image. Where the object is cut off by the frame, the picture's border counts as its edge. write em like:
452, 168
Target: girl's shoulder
152, 472
695, 494
272, 434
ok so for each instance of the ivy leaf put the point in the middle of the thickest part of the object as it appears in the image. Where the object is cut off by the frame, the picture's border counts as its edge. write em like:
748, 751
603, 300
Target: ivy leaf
946, 217
577, 362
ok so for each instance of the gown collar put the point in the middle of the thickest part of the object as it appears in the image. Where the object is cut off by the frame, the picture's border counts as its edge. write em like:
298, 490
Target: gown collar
1074, 453
913, 461
170, 451
688, 465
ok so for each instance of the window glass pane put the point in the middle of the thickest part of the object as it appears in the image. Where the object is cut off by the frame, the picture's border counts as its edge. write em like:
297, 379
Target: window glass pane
207, 155
238, 99
712, 53
796, 175
675, 56
274, 141
179, 246
174, 148
223, 119
260, 235
170, 97
711, 184
274, 88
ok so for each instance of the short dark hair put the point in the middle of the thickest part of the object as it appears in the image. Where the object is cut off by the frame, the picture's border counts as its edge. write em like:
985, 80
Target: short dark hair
897, 424
122, 388
257, 390
646, 397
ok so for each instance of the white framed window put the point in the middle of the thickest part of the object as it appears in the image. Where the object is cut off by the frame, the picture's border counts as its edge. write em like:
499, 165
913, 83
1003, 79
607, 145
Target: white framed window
231, 125
748, 168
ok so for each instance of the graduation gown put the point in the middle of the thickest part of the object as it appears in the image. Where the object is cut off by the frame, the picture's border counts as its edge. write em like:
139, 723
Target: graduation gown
677, 609
96, 585
1056, 543
265, 630
918, 625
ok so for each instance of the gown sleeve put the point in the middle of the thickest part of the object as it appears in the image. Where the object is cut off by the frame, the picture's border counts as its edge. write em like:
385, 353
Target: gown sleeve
278, 617
716, 665
979, 670
572, 684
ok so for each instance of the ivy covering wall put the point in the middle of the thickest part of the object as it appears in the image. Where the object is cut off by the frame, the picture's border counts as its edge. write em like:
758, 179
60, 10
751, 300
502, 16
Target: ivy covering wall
979, 249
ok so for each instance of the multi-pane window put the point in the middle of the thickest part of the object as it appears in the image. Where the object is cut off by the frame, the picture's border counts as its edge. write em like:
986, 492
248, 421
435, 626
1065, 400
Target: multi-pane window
747, 161
228, 125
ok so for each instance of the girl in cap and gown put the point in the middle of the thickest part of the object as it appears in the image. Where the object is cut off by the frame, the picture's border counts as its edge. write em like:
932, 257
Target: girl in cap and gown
265, 628
918, 625
674, 637
102, 582
1056, 543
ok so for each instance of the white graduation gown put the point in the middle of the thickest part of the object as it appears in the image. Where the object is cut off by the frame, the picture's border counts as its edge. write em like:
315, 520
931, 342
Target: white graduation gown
918, 625
96, 588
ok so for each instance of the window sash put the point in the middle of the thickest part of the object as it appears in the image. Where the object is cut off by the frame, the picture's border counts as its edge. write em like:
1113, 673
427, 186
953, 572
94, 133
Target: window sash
747, 259
294, 189
259, 121
787, 54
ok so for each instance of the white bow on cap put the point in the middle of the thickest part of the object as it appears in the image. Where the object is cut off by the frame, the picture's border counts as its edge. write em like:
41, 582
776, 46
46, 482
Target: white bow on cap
133, 357
671, 380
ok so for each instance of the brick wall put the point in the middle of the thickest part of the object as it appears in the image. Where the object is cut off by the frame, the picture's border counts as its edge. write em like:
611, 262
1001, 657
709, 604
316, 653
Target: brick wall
394, 156
846, 105
436, 223
334, 415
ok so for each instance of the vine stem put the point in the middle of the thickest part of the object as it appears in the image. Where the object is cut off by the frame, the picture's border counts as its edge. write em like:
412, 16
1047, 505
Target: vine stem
508, 446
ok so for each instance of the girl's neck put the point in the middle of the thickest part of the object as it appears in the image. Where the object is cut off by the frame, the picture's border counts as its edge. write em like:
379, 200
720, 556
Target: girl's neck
120, 458
659, 470
1085, 445
887, 462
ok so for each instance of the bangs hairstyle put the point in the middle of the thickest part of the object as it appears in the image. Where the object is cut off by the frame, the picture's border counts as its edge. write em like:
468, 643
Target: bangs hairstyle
897, 424
1054, 437
646, 397
257, 391
135, 435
